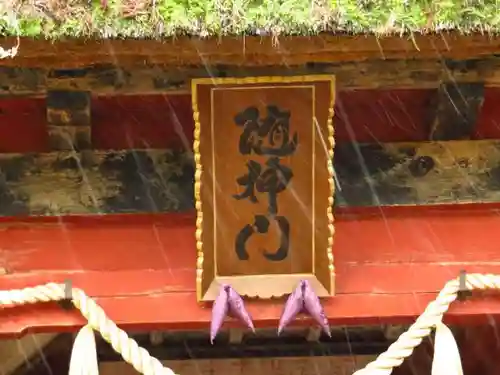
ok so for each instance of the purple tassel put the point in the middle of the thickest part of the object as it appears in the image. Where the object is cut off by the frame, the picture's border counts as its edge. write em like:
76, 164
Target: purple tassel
304, 300
228, 302
238, 310
313, 306
219, 312
293, 306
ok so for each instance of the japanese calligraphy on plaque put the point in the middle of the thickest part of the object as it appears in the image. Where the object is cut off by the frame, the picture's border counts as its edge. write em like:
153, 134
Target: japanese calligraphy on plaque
264, 184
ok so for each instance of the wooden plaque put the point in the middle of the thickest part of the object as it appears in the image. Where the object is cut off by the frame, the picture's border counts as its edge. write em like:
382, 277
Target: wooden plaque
264, 184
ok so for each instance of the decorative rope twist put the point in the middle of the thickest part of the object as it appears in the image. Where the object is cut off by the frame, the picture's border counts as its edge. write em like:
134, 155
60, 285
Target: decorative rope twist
130, 351
432, 316
144, 363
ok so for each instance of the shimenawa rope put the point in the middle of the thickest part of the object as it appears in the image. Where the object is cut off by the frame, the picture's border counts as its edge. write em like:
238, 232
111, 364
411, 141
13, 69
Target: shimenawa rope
130, 351
143, 362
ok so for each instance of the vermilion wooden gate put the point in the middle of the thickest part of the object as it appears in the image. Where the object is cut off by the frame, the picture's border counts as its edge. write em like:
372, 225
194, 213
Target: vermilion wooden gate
79, 200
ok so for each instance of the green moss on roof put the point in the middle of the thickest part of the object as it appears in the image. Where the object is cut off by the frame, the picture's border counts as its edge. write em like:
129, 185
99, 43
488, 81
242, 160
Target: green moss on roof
161, 18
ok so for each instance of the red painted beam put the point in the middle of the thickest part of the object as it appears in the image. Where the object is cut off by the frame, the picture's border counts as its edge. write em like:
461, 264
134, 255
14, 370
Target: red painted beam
390, 263
487, 125
23, 124
163, 121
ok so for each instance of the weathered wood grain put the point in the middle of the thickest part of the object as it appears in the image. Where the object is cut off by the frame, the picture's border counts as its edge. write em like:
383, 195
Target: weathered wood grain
457, 109
418, 173
22, 81
68, 107
69, 138
95, 182
350, 76
151, 79
133, 181
68, 119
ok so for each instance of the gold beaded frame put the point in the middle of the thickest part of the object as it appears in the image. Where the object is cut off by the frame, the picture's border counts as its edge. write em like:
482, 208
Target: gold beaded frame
262, 286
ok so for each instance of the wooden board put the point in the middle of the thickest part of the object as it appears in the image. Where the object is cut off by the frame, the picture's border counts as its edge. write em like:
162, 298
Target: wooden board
249, 51
264, 184
156, 181
336, 365
151, 79
139, 267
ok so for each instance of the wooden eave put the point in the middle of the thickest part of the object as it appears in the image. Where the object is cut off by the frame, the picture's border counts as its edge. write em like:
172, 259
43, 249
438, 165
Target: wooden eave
248, 51
148, 67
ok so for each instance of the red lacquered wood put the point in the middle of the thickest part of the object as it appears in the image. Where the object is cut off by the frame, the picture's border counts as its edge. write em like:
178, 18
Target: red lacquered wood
488, 122
160, 121
373, 116
390, 263
23, 125
156, 121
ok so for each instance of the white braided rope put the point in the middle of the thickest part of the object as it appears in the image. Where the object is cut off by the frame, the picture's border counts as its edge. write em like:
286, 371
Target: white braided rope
144, 363
403, 347
446, 359
83, 359
130, 351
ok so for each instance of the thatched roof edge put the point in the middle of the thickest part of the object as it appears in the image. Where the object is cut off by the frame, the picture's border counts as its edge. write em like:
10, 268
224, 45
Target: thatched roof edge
166, 18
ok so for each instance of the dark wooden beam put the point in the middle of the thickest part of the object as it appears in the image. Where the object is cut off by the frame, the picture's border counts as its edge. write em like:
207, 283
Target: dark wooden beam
306, 365
264, 343
418, 173
22, 81
155, 79
68, 119
457, 110
148, 181
95, 182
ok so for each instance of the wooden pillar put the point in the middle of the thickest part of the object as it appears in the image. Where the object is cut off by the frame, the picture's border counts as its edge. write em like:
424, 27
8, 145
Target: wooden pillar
68, 120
